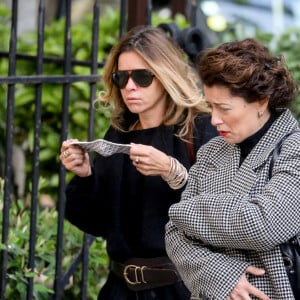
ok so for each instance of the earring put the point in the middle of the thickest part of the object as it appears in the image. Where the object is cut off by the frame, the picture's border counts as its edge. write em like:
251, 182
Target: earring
260, 114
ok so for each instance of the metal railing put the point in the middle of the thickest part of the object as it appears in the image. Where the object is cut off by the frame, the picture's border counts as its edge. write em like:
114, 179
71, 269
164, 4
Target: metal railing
38, 80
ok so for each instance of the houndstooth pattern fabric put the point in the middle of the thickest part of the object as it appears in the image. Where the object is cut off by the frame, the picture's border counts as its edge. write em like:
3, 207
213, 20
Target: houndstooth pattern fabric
103, 147
231, 216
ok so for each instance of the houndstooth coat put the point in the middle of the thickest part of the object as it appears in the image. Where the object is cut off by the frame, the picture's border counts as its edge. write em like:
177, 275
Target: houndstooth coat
231, 216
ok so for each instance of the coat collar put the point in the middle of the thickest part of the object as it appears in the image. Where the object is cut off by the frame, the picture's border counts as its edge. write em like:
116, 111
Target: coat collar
284, 124
230, 153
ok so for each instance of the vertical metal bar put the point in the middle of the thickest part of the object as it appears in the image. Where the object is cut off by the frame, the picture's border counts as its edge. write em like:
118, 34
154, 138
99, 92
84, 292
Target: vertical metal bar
60, 9
149, 12
123, 12
8, 147
36, 149
94, 65
88, 239
58, 288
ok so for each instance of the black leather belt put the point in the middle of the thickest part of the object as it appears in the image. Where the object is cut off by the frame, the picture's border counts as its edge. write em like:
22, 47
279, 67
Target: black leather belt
146, 273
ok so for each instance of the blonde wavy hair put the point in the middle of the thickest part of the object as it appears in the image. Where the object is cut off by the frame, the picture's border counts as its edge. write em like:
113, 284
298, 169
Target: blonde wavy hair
169, 65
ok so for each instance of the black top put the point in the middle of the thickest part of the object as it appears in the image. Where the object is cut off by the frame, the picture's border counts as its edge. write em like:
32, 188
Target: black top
249, 143
128, 209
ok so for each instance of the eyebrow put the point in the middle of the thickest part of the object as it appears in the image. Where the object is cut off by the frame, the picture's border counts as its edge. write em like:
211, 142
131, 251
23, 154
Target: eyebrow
218, 104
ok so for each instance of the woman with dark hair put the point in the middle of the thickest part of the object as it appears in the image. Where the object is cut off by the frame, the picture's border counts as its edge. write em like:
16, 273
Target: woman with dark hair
157, 109
224, 235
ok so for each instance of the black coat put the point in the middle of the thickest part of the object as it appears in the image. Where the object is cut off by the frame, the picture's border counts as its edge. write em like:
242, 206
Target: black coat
126, 208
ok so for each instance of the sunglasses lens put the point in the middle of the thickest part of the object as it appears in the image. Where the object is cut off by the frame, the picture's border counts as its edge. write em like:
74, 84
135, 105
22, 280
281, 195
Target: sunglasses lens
142, 78
120, 79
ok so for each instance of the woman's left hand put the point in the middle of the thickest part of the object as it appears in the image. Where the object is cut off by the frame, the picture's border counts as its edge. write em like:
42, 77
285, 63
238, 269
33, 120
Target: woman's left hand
149, 161
244, 288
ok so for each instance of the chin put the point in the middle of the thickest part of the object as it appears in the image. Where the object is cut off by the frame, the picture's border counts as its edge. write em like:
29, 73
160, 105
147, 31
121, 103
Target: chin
229, 140
135, 111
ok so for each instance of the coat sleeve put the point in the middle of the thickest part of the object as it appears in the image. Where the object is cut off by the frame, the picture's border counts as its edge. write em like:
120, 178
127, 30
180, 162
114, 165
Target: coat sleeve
201, 269
85, 207
260, 220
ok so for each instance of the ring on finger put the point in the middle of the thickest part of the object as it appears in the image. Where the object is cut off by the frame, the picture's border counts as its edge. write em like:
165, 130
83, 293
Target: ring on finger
137, 159
66, 153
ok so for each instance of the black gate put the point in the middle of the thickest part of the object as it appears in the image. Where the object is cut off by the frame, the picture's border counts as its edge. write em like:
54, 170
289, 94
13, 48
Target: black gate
37, 81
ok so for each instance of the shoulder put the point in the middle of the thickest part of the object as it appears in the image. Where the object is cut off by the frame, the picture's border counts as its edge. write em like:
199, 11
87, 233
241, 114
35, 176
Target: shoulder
291, 144
284, 133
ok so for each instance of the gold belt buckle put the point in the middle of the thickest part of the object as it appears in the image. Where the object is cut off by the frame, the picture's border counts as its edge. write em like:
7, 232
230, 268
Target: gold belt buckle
137, 270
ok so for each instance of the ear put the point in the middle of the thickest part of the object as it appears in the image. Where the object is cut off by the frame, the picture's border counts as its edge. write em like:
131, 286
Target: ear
263, 104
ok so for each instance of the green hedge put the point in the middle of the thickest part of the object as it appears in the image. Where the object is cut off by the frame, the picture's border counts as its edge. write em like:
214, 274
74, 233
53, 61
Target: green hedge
18, 249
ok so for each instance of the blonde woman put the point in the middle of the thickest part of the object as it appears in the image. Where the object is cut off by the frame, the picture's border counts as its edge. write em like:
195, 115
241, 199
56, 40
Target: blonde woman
157, 109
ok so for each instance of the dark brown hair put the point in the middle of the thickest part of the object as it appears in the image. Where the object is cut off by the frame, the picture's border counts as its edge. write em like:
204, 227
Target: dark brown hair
250, 71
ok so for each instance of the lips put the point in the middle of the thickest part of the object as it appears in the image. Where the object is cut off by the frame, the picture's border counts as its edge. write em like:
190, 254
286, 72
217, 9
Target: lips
132, 100
223, 133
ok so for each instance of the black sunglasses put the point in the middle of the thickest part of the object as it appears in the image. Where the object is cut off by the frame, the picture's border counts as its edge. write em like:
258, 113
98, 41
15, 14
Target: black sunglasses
141, 77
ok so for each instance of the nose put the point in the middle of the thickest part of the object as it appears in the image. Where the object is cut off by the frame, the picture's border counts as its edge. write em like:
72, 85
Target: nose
215, 118
130, 84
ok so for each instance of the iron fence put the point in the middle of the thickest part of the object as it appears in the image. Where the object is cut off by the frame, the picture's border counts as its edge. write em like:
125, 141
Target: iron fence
38, 80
